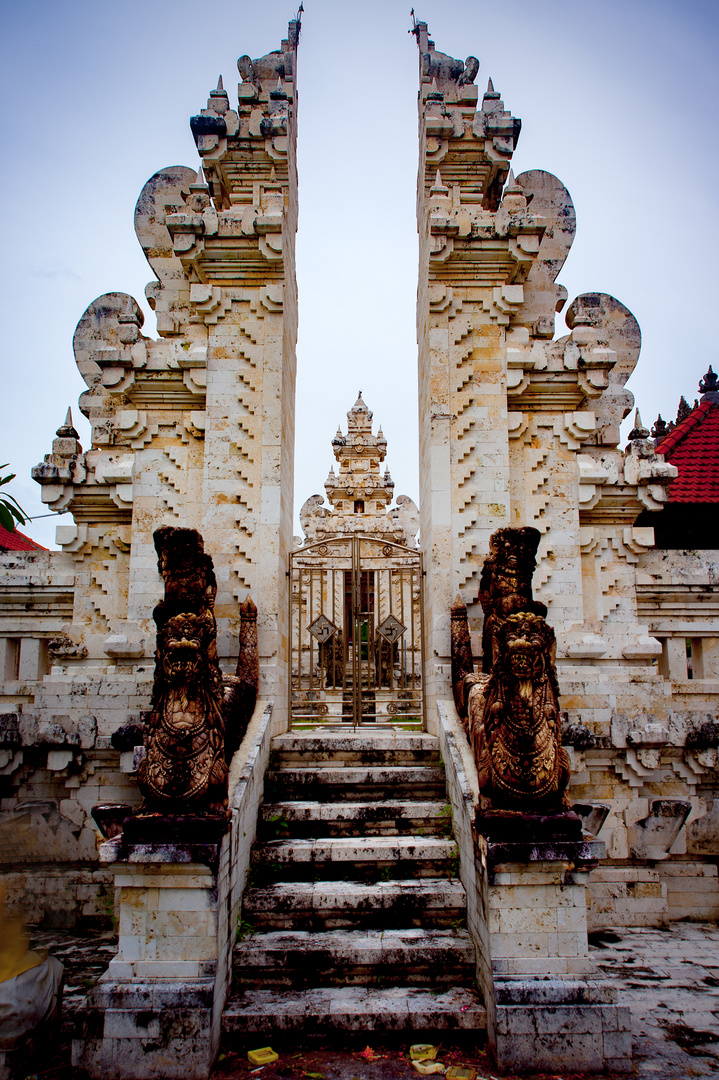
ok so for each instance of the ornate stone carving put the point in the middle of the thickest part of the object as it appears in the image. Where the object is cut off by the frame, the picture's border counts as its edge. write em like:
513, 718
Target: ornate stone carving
445, 69
506, 584
275, 65
197, 719
511, 711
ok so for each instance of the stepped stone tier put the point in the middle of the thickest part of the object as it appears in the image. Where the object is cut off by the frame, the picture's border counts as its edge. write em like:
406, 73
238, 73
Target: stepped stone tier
374, 833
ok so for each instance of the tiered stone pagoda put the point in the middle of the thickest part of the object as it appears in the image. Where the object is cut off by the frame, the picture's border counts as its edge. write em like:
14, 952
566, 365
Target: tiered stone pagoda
360, 495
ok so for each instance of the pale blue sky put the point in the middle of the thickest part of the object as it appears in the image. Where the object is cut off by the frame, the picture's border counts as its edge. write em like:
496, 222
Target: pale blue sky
618, 99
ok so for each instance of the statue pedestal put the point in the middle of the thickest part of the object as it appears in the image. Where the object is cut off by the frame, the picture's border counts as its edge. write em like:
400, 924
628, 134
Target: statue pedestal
154, 1011
546, 1010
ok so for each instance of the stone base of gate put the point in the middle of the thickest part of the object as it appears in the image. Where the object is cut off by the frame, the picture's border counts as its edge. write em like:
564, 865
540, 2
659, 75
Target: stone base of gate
157, 1010
152, 1012
548, 1011
527, 915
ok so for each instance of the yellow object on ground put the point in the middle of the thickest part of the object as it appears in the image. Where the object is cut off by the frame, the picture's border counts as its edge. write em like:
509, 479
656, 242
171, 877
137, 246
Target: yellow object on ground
427, 1067
422, 1051
14, 955
265, 1056
456, 1072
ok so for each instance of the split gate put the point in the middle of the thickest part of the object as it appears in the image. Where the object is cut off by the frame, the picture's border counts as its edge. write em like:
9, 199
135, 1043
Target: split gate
356, 634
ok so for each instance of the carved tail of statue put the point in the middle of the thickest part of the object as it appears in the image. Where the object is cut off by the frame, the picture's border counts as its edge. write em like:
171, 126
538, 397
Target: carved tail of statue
241, 688
462, 663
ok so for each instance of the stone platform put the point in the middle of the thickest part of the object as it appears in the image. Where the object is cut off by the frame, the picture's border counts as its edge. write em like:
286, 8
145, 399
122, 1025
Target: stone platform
668, 978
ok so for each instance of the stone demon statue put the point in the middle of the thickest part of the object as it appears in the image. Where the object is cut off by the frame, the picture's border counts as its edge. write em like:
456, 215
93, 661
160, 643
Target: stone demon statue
506, 584
511, 712
197, 717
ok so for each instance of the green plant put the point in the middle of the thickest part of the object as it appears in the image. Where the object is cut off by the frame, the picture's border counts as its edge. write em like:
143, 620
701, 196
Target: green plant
454, 865
244, 929
445, 820
10, 509
279, 823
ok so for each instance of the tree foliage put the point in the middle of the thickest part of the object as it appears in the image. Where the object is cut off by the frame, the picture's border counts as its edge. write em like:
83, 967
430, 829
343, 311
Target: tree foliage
10, 510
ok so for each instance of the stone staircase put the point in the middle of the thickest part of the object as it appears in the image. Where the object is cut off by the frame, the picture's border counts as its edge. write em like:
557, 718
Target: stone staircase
353, 918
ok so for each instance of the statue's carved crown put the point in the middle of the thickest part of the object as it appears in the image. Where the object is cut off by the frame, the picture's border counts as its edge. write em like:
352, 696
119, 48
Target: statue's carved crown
515, 546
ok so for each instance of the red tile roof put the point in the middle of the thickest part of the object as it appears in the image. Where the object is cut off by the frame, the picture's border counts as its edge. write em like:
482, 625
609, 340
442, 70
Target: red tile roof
693, 446
17, 541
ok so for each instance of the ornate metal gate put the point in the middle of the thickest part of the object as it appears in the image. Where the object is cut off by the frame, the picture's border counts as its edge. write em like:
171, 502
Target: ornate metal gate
356, 634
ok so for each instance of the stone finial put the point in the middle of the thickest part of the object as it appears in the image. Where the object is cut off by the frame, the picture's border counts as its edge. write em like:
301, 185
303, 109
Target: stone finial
513, 199
218, 101
197, 198
434, 92
439, 194
359, 409
709, 387
67, 430
491, 102
438, 186
638, 431
278, 94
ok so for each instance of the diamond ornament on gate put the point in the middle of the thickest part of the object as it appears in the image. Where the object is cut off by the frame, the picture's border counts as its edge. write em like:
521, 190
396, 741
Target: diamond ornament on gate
322, 629
391, 629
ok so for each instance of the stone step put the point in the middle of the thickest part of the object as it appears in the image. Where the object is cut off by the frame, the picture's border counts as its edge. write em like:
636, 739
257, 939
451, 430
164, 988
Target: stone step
350, 748
409, 957
333, 742
393, 817
367, 756
329, 1009
332, 905
351, 784
361, 858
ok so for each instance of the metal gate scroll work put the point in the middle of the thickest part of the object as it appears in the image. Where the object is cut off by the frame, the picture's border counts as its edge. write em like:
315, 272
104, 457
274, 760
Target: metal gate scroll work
356, 635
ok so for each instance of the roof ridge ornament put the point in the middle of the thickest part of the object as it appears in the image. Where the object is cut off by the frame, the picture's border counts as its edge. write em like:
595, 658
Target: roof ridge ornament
709, 387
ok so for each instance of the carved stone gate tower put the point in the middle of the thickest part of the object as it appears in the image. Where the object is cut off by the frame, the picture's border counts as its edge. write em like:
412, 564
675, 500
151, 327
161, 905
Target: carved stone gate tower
518, 427
195, 428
